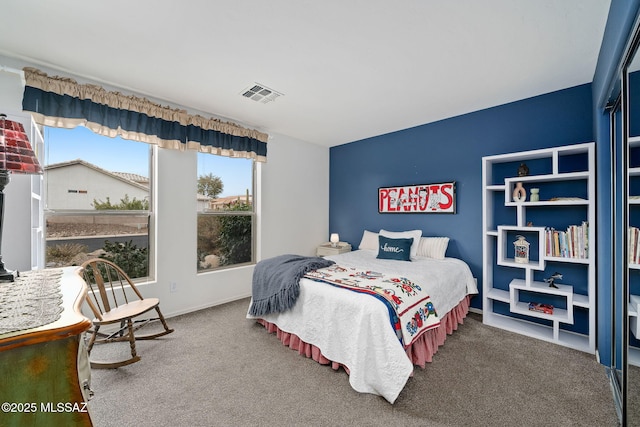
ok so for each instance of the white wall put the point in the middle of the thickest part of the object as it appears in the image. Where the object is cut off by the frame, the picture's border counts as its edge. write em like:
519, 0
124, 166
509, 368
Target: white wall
283, 227
295, 197
293, 217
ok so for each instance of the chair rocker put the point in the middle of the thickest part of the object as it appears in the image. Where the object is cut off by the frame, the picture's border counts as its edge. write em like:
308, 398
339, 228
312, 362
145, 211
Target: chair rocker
114, 299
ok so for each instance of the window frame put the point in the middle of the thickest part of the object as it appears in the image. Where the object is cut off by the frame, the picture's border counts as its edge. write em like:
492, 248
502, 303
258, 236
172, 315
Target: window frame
148, 213
252, 213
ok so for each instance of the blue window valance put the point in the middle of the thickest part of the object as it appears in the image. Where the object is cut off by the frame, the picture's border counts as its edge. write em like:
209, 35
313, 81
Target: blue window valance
62, 102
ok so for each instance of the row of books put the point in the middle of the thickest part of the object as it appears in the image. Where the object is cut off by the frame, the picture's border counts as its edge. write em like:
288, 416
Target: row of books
572, 243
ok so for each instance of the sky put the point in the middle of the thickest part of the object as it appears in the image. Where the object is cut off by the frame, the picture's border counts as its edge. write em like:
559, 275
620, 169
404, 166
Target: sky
80, 143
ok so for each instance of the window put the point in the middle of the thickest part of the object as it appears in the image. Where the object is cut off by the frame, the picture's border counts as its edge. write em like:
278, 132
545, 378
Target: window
225, 212
97, 199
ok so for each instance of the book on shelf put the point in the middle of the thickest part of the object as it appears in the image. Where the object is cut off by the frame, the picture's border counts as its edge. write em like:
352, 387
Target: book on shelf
634, 242
572, 243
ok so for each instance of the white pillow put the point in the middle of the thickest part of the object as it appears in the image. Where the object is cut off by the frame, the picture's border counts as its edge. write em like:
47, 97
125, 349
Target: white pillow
433, 247
369, 241
415, 234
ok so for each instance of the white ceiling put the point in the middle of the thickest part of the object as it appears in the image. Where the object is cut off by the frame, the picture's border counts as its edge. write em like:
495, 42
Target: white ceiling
348, 69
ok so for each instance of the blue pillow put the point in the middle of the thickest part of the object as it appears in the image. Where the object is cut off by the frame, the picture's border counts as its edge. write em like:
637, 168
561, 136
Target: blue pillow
397, 249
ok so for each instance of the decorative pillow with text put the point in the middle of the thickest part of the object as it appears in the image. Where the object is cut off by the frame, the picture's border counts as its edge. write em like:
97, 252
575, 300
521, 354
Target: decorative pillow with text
415, 234
396, 249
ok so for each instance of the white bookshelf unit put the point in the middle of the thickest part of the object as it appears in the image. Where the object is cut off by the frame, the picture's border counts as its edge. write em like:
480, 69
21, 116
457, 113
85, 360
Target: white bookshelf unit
565, 177
634, 254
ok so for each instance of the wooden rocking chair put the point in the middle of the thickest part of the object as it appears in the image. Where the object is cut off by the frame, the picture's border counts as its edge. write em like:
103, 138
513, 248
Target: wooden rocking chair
114, 299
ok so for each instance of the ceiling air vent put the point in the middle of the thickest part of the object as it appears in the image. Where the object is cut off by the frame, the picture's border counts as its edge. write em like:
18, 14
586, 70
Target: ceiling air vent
260, 93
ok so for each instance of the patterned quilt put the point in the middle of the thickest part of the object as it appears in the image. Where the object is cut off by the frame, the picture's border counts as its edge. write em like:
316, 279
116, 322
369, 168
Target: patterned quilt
410, 310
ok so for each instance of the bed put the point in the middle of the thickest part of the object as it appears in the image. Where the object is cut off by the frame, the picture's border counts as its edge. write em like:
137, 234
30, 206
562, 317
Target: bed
353, 330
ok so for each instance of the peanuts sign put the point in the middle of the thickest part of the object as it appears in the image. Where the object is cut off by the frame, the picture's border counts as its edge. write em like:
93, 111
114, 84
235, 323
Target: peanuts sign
424, 198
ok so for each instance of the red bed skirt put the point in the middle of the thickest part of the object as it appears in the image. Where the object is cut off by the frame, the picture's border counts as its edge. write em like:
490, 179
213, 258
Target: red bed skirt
420, 352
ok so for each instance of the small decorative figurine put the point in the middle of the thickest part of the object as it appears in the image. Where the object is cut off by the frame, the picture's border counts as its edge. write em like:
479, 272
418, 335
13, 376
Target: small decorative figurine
551, 280
523, 170
535, 196
542, 308
521, 250
519, 193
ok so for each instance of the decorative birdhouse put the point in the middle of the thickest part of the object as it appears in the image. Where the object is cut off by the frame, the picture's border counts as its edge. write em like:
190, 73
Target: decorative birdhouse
521, 250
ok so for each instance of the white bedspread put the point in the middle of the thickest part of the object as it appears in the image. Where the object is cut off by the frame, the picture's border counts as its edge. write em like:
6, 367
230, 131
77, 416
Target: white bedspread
354, 329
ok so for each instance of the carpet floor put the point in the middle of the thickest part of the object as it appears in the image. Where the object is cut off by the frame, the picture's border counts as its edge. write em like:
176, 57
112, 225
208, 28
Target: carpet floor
220, 369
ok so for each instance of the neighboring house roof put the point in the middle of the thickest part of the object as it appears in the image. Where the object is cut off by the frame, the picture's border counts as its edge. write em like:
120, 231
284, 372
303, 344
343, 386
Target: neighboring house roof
133, 177
142, 182
116, 175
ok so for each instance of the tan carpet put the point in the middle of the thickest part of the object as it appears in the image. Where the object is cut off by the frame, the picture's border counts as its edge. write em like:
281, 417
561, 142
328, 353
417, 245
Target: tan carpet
220, 369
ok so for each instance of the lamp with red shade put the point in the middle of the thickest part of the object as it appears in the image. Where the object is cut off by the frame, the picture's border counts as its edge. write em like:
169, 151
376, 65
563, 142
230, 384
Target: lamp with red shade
16, 156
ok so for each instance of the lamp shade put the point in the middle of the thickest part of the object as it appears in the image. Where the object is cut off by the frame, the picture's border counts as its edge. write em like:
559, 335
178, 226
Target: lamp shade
16, 154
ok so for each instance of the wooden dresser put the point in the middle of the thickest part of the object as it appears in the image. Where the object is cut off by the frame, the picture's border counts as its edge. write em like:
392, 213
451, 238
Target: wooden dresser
44, 371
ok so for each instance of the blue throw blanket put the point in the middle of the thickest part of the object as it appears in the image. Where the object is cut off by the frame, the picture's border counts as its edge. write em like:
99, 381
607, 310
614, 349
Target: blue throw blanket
276, 282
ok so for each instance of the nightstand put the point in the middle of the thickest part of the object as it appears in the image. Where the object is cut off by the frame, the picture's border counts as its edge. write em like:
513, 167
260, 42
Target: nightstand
326, 249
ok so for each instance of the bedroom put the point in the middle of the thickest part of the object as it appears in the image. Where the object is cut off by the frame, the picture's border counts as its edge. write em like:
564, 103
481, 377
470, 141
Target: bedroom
298, 214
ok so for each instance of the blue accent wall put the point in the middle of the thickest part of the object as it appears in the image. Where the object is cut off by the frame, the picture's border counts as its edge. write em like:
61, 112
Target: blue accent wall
451, 150
444, 151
